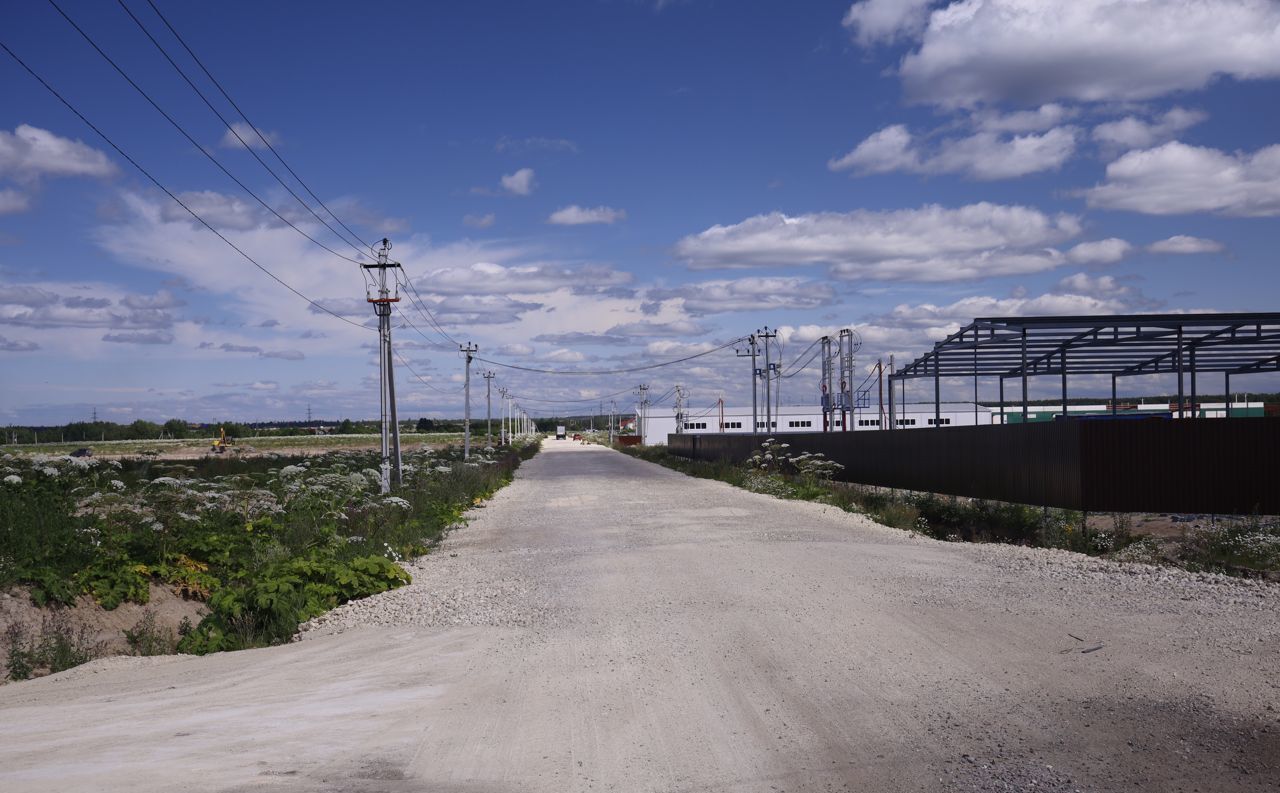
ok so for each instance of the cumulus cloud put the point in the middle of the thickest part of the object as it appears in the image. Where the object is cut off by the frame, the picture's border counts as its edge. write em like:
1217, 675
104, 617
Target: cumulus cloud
12, 202
248, 135
677, 327
516, 350
39, 306
983, 155
17, 345
932, 243
1132, 132
578, 337
1108, 251
562, 356
1183, 244
883, 21
535, 143
1046, 116
284, 355
519, 183
1104, 287
480, 221
29, 153
574, 215
501, 279
748, 294
140, 337
1177, 179
987, 51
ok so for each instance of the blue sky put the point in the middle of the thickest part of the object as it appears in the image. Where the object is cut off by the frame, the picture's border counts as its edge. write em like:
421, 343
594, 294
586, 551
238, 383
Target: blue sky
600, 184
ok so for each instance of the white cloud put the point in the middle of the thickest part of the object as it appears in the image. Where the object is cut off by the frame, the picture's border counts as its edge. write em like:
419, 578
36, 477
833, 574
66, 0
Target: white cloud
574, 215
1044, 117
1103, 287
679, 327
874, 21
28, 153
1033, 51
536, 143
1132, 132
480, 221
1108, 251
983, 155
562, 356
748, 294
932, 243
17, 345
248, 135
140, 337
491, 278
516, 350
12, 202
519, 183
1176, 179
1181, 243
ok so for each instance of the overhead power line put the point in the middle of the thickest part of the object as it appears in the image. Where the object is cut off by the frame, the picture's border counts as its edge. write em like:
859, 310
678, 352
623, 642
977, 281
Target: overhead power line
611, 371
182, 130
169, 192
568, 401
252, 125
234, 132
422, 379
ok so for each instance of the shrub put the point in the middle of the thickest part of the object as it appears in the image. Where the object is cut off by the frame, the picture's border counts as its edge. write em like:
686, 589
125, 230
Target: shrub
148, 638
57, 646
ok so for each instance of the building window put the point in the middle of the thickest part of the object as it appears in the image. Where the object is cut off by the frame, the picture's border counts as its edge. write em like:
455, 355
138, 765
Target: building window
939, 421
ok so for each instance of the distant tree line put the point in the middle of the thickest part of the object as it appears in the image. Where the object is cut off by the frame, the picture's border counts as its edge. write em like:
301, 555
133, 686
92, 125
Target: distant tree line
141, 430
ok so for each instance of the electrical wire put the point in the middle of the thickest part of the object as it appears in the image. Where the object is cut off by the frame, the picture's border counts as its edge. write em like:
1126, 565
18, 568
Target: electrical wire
423, 380
610, 371
253, 126
567, 401
798, 357
170, 193
803, 366
233, 130
407, 322
191, 139
420, 304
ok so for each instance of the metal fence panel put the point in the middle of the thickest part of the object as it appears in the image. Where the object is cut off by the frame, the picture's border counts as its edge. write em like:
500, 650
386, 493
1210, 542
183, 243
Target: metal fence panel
1223, 466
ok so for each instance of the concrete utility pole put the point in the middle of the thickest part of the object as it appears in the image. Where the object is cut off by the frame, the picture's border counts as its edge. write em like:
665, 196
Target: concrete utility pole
488, 408
641, 418
679, 409
768, 381
613, 408
828, 399
846, 376
755, 377
376, 279
892, 413
468, 349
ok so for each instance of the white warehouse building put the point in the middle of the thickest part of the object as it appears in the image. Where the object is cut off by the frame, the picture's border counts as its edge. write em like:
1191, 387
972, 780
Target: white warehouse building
659, 423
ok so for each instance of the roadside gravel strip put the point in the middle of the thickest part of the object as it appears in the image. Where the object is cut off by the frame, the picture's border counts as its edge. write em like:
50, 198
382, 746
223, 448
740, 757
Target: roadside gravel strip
607, 624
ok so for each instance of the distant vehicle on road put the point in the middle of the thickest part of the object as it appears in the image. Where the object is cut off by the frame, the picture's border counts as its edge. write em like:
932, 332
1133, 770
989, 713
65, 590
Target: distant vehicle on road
83, 452
560, 434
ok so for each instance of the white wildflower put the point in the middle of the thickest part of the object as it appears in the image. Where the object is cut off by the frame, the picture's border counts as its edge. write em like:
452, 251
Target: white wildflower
13, 479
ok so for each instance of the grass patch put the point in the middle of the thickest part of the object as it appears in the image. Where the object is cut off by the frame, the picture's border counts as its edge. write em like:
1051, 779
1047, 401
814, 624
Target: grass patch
267, 542
1245, 546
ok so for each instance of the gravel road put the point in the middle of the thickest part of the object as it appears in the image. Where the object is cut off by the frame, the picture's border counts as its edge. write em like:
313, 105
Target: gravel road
606, 624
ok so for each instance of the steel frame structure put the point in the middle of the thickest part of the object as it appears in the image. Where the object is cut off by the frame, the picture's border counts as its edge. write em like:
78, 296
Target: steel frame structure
1115, 345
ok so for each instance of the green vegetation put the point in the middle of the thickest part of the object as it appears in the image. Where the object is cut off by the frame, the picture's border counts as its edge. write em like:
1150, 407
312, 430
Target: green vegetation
194, 447
267, 542
55, 647
1249, 546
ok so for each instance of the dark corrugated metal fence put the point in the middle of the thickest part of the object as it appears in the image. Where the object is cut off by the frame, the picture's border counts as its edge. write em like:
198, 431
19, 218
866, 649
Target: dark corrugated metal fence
1223, 466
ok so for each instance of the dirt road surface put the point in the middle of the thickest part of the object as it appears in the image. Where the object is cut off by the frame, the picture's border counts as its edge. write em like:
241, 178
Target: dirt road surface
608, 625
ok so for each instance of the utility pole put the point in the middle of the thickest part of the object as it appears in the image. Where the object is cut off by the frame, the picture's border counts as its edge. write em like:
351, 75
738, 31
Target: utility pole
376, 279
846, 376
488, 408
828, 400
468, 349
640, 413
755, 377
308, 414
613, 408
679, 409
768, 381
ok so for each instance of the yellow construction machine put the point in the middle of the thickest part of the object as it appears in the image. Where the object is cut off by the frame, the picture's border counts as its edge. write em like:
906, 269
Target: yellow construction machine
221, 442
